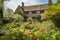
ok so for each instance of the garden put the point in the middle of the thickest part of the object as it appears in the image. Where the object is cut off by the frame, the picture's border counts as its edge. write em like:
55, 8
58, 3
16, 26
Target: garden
18, 27
30, 31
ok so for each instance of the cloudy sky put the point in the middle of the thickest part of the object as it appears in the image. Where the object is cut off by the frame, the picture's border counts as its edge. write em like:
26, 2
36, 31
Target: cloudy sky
13, 4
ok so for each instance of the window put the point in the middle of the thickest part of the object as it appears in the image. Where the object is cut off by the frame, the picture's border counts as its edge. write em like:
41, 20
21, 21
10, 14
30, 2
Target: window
26, 12
33, 12
41, 11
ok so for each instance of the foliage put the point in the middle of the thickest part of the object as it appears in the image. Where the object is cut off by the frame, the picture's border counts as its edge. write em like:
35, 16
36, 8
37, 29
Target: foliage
40, 31
19, 11
39, 18
17, 17
29, 19
1, 8
32, 29
8, 13
12, 34
1, 0
25, 18
58, 1
53, 13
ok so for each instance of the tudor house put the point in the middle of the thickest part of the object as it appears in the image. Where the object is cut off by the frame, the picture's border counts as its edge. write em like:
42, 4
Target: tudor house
34, 10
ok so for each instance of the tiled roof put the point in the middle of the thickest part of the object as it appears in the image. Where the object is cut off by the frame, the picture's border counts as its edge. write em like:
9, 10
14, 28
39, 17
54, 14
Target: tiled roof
35, 7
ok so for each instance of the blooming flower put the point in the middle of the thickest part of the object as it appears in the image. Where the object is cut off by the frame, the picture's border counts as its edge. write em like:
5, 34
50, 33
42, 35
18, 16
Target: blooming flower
30, 33
35, 33
35, 37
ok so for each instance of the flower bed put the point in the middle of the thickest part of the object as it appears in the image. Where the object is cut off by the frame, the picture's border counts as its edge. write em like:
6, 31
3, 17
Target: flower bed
33, 31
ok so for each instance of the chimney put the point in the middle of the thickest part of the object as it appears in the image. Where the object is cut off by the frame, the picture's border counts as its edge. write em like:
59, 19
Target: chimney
49, 2
22, 4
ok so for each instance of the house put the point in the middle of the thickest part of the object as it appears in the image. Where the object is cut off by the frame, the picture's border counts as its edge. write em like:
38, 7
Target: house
34, 10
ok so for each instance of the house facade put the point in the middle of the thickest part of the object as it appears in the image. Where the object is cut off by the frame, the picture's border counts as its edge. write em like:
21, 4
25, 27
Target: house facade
34, 10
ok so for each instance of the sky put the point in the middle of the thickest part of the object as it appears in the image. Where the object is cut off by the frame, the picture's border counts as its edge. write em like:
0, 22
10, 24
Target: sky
13, 4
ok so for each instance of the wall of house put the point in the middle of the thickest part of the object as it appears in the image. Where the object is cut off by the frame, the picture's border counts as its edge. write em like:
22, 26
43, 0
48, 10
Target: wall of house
34, 13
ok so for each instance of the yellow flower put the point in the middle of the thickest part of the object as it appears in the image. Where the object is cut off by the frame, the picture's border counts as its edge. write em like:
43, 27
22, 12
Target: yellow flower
36, 33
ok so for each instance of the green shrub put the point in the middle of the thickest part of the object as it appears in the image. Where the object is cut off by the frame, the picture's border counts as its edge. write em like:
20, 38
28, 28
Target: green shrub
53, 13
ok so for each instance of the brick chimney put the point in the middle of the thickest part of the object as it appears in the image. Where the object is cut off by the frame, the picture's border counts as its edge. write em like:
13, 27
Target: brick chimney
22, 4
49, 2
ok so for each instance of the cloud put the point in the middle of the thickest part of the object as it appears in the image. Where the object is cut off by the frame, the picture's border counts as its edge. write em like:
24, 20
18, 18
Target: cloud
13, 4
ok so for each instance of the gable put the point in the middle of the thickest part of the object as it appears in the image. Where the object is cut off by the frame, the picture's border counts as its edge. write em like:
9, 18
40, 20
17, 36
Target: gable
32, 8
19, 9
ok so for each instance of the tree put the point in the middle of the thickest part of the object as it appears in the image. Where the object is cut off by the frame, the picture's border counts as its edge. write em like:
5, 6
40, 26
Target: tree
8, 12
53, 13
1, 8
58, 1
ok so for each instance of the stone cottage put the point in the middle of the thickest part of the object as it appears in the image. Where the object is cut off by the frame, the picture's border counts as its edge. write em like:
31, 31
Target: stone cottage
34, 10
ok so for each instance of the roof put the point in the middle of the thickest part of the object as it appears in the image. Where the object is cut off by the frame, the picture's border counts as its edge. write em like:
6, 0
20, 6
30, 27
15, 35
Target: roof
33, 7
36, 7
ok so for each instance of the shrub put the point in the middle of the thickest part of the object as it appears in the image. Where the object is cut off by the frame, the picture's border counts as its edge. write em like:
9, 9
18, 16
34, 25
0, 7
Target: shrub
53, 13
